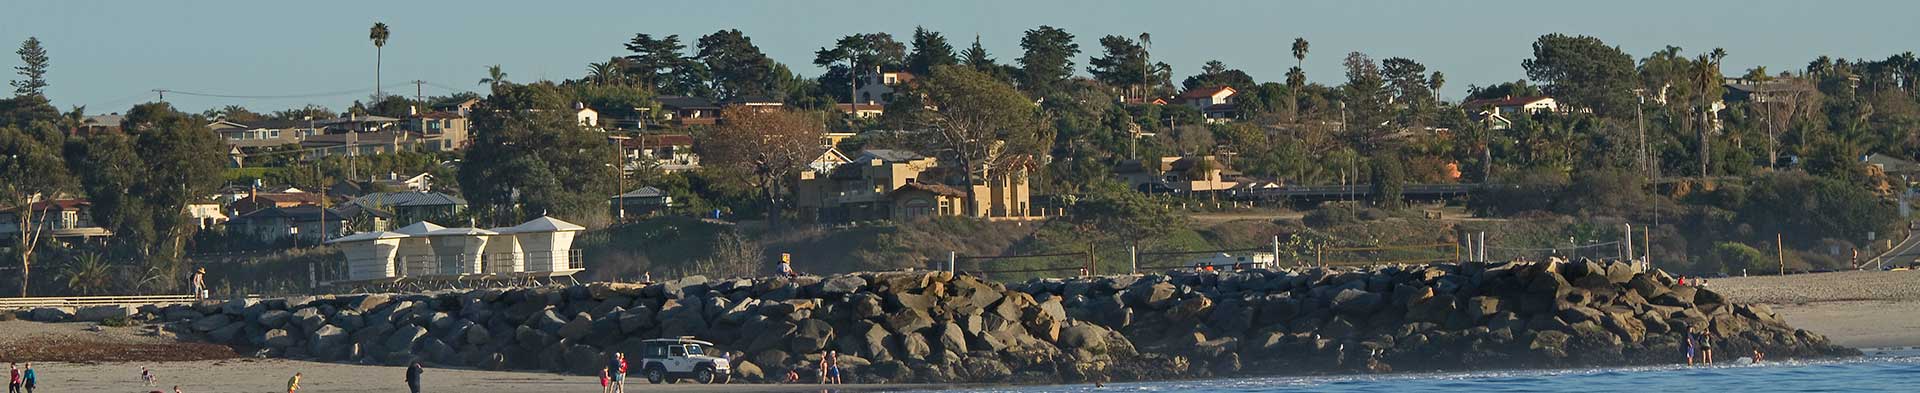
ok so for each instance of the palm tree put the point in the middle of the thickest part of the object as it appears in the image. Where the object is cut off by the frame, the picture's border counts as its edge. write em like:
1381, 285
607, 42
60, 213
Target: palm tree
1146, 61
1435, 82
89, 274
610, 72
1297, 77
379, 37
495, 76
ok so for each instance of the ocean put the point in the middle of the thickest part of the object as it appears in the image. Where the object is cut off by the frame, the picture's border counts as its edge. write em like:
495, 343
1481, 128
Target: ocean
1874, 373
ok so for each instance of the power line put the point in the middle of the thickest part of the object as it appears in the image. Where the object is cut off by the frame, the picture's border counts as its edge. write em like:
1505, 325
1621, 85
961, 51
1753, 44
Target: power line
306, 95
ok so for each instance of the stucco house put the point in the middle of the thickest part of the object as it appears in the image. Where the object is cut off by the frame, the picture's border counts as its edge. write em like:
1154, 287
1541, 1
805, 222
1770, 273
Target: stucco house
883, 184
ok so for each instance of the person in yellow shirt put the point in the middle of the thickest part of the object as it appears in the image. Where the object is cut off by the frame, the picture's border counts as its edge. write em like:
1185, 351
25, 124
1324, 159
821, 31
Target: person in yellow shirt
293, 384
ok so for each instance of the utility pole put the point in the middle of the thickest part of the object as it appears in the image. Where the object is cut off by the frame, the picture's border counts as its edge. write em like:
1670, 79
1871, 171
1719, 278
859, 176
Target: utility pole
163, 94
1780, 251
417, 97
1641, 121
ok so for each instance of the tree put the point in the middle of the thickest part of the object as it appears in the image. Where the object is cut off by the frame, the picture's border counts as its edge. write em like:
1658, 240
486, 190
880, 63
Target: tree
1408, 81
611, 72
660, 64
737, 67
1113, 210
1435, 82
1216, 73
1123, 65
1297, 76
1365, 95
1048, 59
530, 158
183, 160
495, 77
930, 49
983, 124
861, 52
1388, 178
379, 35
31, 170
1583, 71
33, 68
977, 57
767, 147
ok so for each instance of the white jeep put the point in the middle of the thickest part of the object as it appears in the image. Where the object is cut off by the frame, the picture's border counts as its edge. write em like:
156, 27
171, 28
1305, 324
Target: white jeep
668, 360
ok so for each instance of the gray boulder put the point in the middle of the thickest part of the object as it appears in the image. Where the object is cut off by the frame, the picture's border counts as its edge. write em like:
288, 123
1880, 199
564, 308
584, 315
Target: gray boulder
405, 337
274, 318
102, 313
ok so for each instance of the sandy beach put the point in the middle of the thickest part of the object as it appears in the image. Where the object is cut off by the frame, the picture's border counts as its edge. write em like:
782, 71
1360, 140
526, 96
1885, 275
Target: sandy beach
1861, 309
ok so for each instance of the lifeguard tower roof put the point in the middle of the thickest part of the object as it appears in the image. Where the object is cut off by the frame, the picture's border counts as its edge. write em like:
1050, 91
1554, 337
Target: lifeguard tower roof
419, 229
542, 224
365, 236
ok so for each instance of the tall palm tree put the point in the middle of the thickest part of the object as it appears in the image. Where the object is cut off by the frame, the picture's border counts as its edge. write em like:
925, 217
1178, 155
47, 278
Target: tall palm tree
495, 76
1146, 63
1435, 82
379, 37
1297, 77
608, 73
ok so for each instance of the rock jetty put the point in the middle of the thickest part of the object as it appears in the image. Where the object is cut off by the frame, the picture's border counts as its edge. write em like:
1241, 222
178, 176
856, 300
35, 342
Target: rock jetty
897, 327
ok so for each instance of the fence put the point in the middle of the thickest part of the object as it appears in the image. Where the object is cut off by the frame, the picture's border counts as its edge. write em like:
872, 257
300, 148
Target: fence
1266, 257
85, 301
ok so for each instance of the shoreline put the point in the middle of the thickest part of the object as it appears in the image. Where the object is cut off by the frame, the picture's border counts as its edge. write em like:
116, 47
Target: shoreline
1860, 309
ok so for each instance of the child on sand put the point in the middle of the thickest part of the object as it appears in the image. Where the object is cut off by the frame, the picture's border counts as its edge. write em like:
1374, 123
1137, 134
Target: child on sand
293, 384
146, 376
605, 385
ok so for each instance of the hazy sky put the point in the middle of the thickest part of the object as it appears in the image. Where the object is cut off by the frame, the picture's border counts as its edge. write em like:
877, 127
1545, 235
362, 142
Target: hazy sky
108, 55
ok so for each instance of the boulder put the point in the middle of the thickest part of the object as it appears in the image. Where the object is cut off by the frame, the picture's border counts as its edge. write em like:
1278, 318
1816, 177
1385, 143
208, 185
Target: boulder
204, 324
102, 313
227, 334
576, 328
841, 285
274, 318
478, 335
1355, 302
326, 342
915, 346
278, 338
952, 338
1084, 336
366, 303
308, 318
404, 338
908, 321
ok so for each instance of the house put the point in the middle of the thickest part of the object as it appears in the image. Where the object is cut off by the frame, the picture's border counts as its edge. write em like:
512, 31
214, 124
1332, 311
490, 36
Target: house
395, 182
1890, 165
667, 152
263, 200
687, 111
358, 143
1498, 113
1215, 103
208, 214
414, 205
357, 124
463, 108
1181, 174
1778, 90
98, 124
878, 86
300, 224
829, 158
586, 117
66, 219
883, 184
863, 111
640, 202
264, 133
439, 131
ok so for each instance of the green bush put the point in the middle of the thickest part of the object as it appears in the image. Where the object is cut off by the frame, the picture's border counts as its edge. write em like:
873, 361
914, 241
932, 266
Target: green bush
116, 322
1736, 258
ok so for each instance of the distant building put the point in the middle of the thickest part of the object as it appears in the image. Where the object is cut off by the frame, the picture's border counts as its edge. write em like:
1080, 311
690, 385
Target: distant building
684, 111
409, 206
757, 102
897, 184
263, 200
1215, 103
864, 111
1181, 174
100, 124
878, 87
65, 219
301, 224
640, 202
439, 131
1498, 113
264, 133
351, 144
668, 152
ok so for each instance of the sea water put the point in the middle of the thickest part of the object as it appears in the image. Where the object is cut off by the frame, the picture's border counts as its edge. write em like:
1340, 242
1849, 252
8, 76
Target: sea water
1874, 373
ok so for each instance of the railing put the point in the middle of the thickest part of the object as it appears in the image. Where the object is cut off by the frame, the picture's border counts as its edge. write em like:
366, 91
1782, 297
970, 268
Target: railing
85, 301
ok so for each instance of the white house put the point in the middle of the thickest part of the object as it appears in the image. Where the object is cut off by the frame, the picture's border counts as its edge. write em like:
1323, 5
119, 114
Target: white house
1215, 103
1499, 112
878, 87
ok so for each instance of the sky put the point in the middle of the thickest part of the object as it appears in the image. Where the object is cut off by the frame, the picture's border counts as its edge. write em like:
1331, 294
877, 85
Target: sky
110, 55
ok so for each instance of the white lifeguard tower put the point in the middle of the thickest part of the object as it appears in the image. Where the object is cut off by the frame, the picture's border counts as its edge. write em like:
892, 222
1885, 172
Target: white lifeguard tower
426, 253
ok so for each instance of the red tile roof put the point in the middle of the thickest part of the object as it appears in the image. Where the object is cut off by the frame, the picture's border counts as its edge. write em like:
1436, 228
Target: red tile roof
57, 205
1205, 92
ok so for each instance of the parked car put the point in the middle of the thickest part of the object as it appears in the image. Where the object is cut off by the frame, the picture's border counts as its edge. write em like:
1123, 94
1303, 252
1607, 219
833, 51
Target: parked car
668, 360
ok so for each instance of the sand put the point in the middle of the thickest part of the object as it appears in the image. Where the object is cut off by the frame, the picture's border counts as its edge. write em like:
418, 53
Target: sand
1861, 309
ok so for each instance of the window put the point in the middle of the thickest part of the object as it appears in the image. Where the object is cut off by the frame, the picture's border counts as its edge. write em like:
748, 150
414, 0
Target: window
678, 350
694, 349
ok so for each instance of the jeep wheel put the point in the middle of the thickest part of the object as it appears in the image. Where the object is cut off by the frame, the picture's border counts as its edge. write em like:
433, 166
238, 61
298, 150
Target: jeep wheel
657, 375
703, 375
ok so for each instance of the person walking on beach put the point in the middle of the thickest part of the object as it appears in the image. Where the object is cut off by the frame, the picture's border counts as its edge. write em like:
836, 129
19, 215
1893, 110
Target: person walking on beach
199, 283
293, 384
413, 377
13, 381
27, 379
